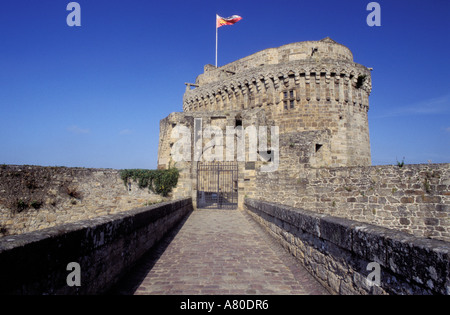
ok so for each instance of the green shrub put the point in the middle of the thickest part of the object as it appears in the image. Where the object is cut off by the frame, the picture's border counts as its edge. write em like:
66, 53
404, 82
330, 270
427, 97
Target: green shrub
402, 163
159, 181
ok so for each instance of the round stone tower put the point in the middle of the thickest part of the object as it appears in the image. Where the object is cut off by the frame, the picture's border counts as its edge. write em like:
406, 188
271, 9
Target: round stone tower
312, 90
311, 96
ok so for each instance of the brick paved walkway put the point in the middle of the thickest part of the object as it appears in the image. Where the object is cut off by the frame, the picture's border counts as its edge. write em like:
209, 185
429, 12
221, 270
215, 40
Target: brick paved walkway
219, 252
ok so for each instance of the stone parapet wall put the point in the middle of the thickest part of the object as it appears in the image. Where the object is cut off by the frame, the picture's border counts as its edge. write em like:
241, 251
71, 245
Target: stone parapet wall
104, 247
307, 50
36, 197
413, 198
343, 254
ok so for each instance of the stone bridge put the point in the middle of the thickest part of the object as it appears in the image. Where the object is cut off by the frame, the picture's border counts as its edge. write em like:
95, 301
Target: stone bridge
170, 249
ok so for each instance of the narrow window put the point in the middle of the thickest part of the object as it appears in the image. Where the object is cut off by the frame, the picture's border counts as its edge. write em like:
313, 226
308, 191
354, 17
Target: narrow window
289, 99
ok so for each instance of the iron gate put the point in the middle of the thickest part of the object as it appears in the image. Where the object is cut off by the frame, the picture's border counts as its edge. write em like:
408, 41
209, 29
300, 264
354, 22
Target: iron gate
217, 185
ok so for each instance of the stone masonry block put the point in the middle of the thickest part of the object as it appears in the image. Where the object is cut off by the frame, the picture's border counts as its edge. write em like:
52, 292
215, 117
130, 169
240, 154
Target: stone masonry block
409, 264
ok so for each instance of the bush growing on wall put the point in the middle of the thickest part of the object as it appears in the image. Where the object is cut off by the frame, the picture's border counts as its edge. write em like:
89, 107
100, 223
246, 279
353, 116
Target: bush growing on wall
158, 181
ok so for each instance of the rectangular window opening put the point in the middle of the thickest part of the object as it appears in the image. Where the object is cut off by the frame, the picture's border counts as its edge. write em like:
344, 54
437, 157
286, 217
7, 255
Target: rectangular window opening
289, 99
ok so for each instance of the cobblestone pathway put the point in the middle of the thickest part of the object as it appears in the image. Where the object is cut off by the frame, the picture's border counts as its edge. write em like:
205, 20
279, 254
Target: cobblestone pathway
219, 252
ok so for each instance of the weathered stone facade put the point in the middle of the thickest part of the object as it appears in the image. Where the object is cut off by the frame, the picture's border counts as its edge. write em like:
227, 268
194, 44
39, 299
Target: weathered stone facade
305, 86
318, 98
413, 198
311, 91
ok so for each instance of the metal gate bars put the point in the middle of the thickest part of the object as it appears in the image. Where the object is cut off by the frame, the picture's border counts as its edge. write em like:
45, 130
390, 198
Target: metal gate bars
217, 185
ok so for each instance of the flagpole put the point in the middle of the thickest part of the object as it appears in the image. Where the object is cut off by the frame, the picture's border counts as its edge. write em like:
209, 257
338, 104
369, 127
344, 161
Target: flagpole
224, 21
216, 39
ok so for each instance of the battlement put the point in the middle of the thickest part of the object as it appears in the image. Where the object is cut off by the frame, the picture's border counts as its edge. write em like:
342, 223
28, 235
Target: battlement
306, 51
310, 72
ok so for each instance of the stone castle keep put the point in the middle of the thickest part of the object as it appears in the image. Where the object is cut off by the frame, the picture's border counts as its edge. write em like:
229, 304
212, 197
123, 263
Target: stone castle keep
319, 100
312, 91
295, 118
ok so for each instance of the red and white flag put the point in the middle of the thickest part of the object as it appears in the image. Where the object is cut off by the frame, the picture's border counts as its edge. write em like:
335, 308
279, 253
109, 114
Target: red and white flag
227, 21
220, 21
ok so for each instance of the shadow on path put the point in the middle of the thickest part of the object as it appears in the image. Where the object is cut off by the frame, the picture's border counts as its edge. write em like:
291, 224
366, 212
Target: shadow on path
218, 252
132, 279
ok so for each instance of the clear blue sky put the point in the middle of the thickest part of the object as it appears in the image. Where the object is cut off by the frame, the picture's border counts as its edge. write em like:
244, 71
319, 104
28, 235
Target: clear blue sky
93, 96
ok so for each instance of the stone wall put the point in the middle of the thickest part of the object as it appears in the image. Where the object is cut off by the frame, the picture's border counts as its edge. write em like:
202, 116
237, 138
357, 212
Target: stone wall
104, 247
343, 254
165, 158
36, 197
413, 198
169, 144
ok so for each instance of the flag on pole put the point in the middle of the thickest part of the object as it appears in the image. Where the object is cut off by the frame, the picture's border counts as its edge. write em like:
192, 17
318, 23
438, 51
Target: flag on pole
227, 21
220, 21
